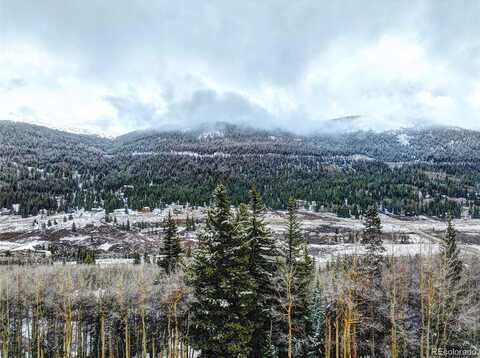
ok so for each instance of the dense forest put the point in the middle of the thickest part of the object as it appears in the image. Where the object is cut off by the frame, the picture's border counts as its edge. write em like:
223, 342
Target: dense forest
412, 172
242, 293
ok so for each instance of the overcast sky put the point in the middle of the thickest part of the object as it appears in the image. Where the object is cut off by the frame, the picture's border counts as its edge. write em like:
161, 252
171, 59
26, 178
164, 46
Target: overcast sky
112, 66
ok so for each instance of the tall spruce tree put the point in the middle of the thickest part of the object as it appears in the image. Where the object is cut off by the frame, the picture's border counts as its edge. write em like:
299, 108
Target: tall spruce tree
372, 240
294, 237
262, 267
374, 320
449, 309
451, 256
222, 287
172, 248
372, 231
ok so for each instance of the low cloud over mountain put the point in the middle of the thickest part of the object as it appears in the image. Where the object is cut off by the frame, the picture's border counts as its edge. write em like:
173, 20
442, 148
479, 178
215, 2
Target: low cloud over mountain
116, 66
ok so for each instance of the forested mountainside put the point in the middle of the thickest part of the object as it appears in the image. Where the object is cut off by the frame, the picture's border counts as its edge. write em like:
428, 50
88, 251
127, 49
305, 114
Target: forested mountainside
407, 172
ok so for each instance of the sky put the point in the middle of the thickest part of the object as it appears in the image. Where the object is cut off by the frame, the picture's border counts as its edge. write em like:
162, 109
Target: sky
113, 66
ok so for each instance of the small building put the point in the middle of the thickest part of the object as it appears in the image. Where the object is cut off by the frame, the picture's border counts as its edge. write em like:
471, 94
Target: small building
16, 208
157, 211
5, 211
175, 208
302, 205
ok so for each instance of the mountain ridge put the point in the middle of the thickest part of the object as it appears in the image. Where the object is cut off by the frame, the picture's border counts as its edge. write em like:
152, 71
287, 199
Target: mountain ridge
433, 143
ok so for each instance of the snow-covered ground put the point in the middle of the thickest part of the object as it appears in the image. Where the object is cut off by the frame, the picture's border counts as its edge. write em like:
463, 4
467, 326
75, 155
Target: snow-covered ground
15, 223
328, 234
82, 218
113, 261
22, 245
423, 233
325, 253
74, 238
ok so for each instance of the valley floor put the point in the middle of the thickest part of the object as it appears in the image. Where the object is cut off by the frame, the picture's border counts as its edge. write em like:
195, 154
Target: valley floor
328, 235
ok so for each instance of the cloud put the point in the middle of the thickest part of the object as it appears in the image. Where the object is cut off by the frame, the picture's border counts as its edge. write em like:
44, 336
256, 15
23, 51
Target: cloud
203, 107
113, 66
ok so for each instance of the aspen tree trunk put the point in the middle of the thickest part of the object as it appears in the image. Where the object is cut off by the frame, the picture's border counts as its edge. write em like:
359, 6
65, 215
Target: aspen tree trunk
393, 302
328, 338
110, 346
345, 336
428, 314
127, 336
102, 334
78, 334
6, 325
177, 341
67, 331
441, 318
144, 335
422, 309
169, 339
337, 336
142, 316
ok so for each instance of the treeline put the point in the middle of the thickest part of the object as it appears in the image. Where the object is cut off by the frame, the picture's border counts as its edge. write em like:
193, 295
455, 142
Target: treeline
154, 182
244, 294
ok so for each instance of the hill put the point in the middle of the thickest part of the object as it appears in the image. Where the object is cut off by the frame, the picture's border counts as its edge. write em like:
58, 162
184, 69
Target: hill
409, 171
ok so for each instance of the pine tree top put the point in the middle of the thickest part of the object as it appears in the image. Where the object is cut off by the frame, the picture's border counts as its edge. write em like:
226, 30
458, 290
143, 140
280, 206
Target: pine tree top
256, 203
451, 253
372, 222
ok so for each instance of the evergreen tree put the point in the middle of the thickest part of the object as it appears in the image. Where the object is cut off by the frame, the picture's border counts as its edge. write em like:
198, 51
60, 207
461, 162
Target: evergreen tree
146, 258
262, 267
294, 234
74, 227
355, 212
372, 240
136, 258
241, 219
89, 258
372, 231
453, 266
172, 249
222, 286
269, 349
190, 223
316, 322
450, 256
375, 320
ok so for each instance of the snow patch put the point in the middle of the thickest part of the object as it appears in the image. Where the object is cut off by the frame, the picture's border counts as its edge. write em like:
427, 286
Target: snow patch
404, 139
74, 238
211, 134
105, 247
